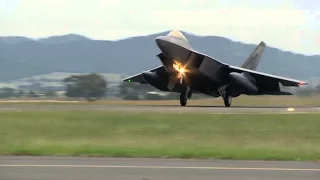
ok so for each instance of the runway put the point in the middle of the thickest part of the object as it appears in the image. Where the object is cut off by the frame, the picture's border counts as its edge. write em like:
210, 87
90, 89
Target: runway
160, 108
82, 168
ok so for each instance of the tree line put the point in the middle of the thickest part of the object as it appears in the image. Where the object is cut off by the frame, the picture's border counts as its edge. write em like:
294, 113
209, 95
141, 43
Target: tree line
93, 87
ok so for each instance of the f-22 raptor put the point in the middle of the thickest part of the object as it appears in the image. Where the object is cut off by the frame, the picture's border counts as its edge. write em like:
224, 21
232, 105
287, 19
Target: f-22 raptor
185, 70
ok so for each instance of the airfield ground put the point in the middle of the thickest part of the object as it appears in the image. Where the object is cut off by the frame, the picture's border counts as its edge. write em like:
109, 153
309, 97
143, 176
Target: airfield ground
291, 136
254, 128
239, 101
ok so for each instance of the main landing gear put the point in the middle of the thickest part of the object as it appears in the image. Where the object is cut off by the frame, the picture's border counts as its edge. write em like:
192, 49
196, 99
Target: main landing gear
227, 101
184, 97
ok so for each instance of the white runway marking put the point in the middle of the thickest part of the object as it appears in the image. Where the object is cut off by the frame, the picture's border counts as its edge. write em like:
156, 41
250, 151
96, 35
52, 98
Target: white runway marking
266, 113
162, 167
37, 101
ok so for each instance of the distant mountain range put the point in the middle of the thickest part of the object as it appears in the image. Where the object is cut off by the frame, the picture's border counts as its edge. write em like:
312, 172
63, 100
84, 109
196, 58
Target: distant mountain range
22, 57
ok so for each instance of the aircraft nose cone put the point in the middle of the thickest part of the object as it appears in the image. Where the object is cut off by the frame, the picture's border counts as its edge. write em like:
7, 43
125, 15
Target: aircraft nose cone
172, 48
163, 45
160, 42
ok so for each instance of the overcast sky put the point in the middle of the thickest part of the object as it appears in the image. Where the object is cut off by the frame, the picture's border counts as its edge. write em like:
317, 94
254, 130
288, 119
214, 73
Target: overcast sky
286, 24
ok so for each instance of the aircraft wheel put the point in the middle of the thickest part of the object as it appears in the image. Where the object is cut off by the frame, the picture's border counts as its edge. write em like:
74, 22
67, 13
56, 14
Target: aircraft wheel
183, 99
227, 101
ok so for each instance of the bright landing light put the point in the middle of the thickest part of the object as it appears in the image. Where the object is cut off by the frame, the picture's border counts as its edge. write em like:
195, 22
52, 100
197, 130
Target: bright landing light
181, 69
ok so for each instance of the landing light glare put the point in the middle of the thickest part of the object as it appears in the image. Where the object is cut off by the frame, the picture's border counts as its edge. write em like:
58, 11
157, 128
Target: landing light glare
181, 69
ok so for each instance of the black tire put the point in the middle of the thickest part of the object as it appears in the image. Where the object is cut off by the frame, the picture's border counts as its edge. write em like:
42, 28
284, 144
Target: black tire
183, 99
227, 101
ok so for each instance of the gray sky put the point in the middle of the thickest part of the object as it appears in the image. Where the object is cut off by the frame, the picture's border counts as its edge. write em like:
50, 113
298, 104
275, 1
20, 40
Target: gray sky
292, 25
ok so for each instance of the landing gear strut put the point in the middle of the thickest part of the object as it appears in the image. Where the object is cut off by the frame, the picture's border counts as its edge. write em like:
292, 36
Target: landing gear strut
184, 96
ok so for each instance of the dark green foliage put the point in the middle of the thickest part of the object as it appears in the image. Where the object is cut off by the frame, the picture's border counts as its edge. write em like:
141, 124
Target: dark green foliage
50, 93
132, 91
6, 92
32, 94
135, 91
19, 93
318, 88
90, 86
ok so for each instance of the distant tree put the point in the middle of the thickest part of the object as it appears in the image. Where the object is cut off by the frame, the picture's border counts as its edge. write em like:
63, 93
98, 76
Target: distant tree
19, 93
50, 93
90, 86
318, 88
32, 94
129, 91
136, 91
6, 92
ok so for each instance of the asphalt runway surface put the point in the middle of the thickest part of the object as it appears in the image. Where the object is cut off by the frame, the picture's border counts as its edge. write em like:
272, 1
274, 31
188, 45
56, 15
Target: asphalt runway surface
82, 168
159, 108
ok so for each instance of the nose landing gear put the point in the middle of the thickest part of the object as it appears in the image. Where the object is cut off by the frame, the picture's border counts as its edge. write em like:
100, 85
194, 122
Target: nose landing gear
184, 96
183, 99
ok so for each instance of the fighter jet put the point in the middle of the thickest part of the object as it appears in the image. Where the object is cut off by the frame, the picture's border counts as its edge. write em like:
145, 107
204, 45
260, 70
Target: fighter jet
185, 70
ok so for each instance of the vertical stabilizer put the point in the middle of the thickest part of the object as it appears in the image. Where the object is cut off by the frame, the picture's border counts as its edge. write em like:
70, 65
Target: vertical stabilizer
253, 60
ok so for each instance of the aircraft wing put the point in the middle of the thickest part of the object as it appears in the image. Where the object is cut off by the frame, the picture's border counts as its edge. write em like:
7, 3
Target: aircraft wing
264, 79
138, 77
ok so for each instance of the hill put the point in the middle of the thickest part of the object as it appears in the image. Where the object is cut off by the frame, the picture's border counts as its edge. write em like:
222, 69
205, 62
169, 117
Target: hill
23, 57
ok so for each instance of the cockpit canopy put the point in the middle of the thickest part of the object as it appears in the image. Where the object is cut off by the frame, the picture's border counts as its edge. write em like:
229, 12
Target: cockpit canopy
176, 33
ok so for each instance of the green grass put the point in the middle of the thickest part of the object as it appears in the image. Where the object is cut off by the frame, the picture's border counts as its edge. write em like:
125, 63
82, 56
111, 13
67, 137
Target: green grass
313, 100
123, 134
